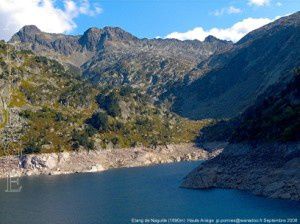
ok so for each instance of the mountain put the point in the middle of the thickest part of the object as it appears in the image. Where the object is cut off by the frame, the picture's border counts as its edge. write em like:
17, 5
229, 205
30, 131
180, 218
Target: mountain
229, 82
199, 80
117, 83
114, 56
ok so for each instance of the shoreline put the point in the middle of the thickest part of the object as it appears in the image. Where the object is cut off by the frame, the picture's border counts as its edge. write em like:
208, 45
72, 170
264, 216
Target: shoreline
99, 160
266, 169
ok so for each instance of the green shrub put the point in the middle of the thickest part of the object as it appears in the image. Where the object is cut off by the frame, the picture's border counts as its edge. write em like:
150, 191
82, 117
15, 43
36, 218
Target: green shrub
81, 138
114, 110
99, 121
126, 91
90, 131
31, 147
110, 103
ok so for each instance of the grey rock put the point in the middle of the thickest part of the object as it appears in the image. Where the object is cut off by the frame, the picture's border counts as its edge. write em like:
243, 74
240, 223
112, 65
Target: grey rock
96, 161
262, 169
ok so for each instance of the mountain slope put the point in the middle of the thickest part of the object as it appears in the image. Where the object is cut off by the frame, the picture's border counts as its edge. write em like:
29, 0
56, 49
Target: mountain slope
275, 116
231, 81
48, 107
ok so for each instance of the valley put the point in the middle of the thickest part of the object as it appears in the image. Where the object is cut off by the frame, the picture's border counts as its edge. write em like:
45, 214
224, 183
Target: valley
109, 99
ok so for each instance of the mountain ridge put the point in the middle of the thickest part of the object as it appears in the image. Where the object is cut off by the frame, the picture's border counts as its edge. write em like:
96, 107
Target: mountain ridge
29, 33
114, 56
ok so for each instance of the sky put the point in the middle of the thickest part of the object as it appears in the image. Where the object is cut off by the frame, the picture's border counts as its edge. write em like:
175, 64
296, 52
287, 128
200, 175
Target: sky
180, 19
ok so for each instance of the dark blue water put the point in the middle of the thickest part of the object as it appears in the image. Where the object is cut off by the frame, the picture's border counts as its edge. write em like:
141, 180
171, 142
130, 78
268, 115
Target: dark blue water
116, 196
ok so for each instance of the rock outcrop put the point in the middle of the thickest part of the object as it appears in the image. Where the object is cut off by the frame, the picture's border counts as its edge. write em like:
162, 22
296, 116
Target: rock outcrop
269, 169
98, 160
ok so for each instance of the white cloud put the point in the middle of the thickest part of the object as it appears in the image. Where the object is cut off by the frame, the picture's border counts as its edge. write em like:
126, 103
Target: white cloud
234, 10
83, 8
233, 33
229, 10
278, 4
14, 14
259, 2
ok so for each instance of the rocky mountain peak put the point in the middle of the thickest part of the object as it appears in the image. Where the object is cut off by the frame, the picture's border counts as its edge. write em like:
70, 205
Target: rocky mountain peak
26, 33
116, 33
213, 39
95, 38
90, 38
30, 29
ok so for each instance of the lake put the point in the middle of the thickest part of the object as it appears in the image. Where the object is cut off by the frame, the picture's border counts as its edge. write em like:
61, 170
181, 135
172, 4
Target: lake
131, 195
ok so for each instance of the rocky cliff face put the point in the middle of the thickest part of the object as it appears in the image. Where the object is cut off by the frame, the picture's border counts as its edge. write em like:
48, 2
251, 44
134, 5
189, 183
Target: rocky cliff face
231, 81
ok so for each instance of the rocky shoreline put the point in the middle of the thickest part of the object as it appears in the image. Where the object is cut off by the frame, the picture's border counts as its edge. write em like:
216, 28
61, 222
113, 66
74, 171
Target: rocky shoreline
99, 160
269, 169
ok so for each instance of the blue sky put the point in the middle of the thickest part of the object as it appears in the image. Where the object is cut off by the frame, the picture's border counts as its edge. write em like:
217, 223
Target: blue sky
146, 18
181, 19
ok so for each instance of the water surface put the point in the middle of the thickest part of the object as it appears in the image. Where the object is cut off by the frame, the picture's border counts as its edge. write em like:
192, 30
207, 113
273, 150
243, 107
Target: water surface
117, 196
